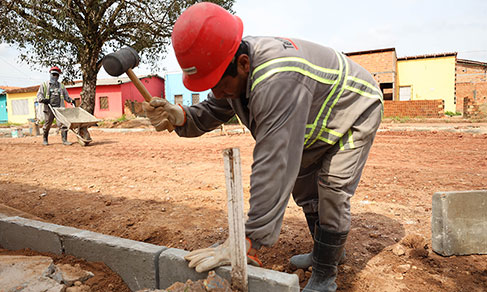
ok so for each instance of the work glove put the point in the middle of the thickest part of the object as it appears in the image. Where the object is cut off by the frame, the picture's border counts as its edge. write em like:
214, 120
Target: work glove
44, 101
209, 258
162, 114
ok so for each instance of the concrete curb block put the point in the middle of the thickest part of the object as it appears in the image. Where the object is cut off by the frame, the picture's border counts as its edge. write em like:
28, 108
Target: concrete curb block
134, 261
140, 265
18, 233
174, 268
459, 223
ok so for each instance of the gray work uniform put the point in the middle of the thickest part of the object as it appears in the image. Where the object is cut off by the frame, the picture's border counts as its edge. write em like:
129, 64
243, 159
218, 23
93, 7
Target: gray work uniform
57, 94
313, 113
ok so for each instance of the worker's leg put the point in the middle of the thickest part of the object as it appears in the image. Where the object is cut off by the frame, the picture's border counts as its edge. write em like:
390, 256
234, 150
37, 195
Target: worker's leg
305, 194
337, 181
48, 119
64, 135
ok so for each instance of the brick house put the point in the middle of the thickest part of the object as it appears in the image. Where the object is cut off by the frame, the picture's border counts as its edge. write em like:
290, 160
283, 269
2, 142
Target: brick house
471, 84
382, 64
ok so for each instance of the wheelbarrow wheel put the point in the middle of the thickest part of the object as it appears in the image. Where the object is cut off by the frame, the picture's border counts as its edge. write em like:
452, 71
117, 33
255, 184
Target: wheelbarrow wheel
82, 143
84, 137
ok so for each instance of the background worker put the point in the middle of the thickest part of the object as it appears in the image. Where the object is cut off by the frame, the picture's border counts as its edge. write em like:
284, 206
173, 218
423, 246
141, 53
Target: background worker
312, 112
54, 93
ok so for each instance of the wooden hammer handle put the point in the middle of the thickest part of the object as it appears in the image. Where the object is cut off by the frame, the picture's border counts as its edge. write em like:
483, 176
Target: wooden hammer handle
145, 93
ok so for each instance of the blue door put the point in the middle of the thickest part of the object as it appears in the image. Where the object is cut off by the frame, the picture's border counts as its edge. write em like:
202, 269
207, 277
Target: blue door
3, 108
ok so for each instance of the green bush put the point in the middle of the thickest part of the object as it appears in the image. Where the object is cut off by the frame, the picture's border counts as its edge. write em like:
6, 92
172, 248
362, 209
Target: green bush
451, 114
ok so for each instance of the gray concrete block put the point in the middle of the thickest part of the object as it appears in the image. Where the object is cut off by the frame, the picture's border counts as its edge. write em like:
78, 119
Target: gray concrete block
136, 262
459, 223
265, 280
18, 233
174, 268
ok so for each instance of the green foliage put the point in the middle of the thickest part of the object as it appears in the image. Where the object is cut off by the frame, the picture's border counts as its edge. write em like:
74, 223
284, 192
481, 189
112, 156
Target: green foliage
123, 118
400, 119
232, 121
77, 34
451, 114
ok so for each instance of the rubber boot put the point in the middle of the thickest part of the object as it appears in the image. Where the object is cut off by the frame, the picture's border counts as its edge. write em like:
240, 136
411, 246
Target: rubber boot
327, 251
304, 261
44, 138
64, 136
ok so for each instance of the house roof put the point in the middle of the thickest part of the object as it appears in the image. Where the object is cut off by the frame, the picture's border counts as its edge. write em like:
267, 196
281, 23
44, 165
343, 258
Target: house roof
451, 54
8, 87
111, 81
371, 51
472, 62
23, 89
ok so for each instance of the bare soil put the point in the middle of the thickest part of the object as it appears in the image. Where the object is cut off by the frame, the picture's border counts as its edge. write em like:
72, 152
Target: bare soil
166, 190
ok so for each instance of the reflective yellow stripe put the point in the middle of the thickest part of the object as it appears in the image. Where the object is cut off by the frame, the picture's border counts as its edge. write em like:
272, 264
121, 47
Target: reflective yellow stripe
326, 140
350, 139
294, 59
363, 93
323, 127
341, 144
290, 69
335, 85
355, 79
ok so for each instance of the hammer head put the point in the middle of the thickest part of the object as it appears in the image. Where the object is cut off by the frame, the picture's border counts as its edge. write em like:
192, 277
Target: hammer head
119, 62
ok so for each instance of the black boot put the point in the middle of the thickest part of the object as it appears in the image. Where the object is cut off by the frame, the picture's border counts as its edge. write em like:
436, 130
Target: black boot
44, 138
64, 136
327, 251
304, 261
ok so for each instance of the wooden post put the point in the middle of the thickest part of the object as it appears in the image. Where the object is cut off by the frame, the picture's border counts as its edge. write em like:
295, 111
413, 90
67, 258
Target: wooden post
236, 226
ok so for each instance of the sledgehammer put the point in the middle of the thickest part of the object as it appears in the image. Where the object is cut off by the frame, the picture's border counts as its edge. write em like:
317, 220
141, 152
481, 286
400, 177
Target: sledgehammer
123, 61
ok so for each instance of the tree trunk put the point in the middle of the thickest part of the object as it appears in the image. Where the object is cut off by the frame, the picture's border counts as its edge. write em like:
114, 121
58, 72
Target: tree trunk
89, 90
89, 69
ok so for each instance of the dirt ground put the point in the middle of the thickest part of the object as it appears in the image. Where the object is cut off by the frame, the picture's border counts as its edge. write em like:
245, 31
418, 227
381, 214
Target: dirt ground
162, 189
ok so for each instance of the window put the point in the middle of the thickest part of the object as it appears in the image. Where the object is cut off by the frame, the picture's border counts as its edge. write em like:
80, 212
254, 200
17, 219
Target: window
196, 98
178, 99
103, 102
405, 93
20, 107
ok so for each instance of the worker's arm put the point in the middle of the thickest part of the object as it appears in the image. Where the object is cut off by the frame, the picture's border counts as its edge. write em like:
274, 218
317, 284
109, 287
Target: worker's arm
41, 95
205, 116
66, 95
280, 110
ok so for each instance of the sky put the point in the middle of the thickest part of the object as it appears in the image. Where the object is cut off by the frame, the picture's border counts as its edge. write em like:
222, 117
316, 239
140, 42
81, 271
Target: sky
412, 27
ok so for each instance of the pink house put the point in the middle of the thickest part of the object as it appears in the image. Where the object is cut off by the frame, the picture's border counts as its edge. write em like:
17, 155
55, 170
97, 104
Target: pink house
112, 93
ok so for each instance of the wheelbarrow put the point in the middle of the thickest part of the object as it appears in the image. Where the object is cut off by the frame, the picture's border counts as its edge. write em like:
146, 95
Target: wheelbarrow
77, 120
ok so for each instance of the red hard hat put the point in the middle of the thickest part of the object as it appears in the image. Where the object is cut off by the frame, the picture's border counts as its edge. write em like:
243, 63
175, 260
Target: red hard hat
55, 68
205, 39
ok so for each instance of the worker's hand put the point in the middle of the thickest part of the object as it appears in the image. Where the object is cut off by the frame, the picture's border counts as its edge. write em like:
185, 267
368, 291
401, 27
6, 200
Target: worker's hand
209, 258
44, 101
162, 114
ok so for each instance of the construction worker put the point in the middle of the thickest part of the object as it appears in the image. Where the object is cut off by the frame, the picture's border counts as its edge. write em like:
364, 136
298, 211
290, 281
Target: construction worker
54, 93
312, 112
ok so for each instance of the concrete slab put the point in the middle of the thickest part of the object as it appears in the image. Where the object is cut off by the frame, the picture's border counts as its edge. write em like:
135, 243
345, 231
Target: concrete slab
174, 268
134, 261
18, 233
28, 273
459, 223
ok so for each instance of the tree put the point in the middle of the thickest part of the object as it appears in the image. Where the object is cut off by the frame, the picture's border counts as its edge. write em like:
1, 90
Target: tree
77, 34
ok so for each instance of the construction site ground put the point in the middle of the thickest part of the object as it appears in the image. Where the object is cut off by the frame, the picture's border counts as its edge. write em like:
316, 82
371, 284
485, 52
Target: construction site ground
166, 190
